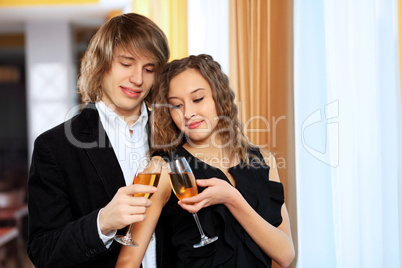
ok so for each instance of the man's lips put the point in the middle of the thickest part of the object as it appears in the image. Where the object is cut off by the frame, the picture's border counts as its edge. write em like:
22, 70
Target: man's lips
130, 92
194, 124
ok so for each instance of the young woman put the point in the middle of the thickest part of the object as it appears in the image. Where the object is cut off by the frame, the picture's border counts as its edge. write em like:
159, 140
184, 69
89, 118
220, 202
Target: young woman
240, 197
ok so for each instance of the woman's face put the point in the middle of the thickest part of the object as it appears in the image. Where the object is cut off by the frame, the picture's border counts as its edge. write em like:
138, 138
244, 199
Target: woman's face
192, 106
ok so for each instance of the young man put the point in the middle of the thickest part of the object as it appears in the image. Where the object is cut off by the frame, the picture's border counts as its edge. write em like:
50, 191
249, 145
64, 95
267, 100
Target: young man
78, 196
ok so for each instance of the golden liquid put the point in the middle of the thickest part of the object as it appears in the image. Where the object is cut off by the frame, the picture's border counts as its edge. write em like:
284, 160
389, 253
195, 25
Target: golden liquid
183, 185
151, 179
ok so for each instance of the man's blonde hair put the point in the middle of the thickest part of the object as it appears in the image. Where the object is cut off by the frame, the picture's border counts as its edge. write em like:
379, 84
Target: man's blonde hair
132, 32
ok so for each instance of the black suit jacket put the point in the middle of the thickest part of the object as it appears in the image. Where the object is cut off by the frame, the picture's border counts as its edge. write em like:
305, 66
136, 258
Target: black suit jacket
74, 173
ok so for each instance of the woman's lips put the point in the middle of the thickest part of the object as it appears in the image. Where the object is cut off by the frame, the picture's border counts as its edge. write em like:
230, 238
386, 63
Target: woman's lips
194, 124
132, 93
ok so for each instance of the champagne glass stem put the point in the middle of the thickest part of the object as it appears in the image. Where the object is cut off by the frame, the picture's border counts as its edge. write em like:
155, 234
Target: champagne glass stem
199, 225
205, 240
126, 240
128, 234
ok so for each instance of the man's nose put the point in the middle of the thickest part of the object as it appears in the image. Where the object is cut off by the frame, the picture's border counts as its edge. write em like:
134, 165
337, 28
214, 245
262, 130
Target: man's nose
136, 76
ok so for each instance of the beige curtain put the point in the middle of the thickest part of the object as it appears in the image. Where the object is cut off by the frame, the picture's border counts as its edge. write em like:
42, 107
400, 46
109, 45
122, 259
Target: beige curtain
171, 16
261, 74
249, 60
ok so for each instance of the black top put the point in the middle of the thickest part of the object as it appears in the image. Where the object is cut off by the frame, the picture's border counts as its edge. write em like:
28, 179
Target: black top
177, 231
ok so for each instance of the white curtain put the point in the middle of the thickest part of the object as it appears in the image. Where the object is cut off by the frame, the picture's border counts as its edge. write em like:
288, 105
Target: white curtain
208, 30
348, 133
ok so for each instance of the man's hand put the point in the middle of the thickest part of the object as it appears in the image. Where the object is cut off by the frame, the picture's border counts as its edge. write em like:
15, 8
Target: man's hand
124, 208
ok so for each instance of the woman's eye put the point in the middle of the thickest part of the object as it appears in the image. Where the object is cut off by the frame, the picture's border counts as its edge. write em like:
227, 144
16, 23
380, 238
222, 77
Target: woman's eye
175, 106
125, 65
199, 99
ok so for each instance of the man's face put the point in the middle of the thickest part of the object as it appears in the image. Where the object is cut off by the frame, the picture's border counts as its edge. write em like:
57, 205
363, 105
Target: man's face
127, 83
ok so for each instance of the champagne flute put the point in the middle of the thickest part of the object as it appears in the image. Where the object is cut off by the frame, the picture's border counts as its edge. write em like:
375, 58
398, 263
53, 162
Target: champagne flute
149, 176
183, 184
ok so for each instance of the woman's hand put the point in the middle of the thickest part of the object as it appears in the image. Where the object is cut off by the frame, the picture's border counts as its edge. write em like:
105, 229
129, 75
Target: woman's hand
217, 192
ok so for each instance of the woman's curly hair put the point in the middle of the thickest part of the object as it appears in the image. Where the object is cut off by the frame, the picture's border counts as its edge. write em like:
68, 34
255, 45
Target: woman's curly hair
133, 32
165, 136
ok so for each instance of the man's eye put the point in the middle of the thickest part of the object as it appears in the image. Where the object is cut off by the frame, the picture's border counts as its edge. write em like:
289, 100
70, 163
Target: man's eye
125, 65
149, 70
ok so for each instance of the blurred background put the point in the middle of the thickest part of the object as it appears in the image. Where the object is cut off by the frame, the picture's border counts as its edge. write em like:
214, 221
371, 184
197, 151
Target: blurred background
317, 83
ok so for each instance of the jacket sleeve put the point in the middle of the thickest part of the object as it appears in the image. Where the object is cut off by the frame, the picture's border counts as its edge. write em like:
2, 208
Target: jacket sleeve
57, 237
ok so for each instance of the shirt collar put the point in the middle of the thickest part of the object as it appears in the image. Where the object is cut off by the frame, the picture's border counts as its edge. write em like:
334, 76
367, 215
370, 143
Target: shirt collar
111, 119
143, 119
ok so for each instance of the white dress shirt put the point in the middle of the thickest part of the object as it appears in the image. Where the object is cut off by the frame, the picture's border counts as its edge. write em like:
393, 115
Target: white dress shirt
131, 152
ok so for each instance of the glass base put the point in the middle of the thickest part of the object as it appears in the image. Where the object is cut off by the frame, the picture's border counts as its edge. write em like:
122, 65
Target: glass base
125, 240
205, 241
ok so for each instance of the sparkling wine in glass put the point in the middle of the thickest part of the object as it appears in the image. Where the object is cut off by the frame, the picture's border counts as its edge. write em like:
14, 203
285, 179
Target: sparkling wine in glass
149, 176
183, 184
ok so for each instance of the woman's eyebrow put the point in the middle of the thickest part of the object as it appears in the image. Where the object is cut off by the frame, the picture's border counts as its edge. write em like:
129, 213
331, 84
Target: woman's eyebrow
192, 92
196, 90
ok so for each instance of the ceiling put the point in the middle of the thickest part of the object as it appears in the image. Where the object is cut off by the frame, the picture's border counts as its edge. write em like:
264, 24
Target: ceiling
13, 19
83, 16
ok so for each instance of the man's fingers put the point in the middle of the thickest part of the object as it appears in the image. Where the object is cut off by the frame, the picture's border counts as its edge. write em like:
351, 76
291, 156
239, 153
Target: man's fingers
140, 201
139, 188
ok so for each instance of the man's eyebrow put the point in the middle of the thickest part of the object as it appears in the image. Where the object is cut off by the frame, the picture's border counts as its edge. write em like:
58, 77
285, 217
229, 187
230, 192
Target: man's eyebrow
126, 57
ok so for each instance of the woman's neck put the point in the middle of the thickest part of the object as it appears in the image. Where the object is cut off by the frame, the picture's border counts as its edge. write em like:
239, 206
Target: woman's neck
218, 156
215, 156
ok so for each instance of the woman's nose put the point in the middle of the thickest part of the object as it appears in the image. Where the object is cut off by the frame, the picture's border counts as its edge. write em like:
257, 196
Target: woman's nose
188, 112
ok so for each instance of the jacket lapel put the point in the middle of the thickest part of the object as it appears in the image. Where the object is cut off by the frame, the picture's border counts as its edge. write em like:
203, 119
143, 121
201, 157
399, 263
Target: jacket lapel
100, 150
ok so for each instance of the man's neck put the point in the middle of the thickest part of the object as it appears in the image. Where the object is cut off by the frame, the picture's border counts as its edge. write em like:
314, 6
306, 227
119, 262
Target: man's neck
130, 117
